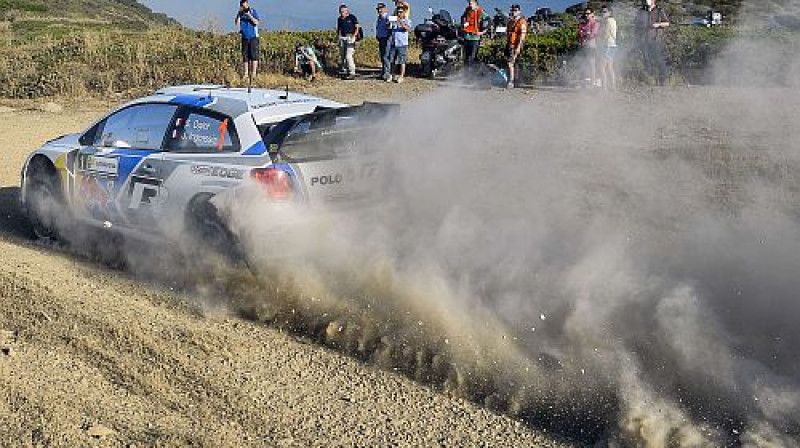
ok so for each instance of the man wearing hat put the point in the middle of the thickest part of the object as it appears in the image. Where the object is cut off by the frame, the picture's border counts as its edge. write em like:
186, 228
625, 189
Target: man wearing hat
517, 29
383, 32
247, 20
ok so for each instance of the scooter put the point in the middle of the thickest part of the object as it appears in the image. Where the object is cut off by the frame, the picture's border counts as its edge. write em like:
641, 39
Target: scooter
442, 48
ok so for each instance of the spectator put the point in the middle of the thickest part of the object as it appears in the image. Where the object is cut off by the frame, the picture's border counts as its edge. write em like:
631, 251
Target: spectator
587, 36
516, 32
247, 20
650, 24
404, 4
399, 45
382, 33
609, 42
475, 22
347, 29
305, 61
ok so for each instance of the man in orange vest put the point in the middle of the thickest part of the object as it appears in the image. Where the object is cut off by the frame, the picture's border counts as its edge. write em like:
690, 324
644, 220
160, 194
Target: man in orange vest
516, 32
475, 22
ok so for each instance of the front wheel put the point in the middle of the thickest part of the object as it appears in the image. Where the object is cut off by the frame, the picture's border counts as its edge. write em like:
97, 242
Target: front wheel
43, 200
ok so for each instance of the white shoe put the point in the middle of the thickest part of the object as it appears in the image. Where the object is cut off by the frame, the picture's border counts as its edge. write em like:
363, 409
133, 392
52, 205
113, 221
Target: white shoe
399, 80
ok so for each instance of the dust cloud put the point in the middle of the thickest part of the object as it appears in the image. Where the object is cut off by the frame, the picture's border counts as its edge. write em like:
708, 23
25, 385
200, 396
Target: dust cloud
614, 268
618, 268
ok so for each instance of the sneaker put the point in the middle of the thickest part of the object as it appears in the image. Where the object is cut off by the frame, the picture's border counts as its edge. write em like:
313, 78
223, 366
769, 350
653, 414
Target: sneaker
510, 85
388, 79
399, 80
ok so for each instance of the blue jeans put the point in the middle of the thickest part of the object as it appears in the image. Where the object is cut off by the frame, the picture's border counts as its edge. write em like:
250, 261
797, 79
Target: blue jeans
383, 49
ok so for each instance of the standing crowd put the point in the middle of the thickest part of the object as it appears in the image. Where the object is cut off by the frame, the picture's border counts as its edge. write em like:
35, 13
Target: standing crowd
597, 39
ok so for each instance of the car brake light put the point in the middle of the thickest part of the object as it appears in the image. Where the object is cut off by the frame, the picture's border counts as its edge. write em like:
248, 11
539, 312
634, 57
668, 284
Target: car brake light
276, 182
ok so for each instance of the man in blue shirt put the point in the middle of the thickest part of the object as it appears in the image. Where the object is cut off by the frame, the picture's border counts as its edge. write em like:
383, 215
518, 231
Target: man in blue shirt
382, 32
247, 20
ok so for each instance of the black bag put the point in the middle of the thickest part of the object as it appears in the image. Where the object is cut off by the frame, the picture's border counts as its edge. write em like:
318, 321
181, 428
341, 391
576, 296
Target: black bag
360, 34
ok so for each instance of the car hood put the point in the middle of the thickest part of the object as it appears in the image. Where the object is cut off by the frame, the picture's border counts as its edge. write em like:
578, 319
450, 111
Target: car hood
65, 140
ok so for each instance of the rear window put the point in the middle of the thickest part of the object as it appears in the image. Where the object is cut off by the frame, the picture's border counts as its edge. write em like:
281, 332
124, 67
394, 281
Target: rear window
325, 135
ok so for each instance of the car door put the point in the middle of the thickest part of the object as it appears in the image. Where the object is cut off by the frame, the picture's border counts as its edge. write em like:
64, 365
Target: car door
119, 170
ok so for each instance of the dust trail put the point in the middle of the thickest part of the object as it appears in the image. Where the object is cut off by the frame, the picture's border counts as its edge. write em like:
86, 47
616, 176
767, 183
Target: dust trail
616, 268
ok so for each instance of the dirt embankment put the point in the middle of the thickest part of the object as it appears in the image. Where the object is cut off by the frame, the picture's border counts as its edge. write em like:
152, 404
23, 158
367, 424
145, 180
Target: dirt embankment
93, 356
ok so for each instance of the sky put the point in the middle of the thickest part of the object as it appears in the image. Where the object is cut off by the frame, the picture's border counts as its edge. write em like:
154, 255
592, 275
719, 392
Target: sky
317, 14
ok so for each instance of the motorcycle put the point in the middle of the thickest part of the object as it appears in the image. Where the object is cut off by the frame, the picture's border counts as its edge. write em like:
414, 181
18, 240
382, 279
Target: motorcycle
442, 49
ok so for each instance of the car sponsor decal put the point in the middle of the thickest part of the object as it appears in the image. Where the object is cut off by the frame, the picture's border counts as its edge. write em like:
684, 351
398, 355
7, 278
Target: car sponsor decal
217, 171
192, 100
102, 165
258, 149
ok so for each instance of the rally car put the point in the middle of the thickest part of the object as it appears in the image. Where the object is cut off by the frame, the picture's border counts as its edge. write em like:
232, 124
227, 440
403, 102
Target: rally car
155, 167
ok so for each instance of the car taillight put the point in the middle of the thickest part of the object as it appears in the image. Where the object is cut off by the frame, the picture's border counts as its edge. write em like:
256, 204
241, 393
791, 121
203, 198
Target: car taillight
276, 182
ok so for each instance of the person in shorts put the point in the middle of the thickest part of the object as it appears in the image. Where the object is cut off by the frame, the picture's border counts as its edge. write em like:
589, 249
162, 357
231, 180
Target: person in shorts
517, 30
347, 28
608, 41
399, 45
247, 20
588, 30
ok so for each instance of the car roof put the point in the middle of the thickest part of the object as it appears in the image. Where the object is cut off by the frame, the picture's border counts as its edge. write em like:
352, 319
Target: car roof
266, 105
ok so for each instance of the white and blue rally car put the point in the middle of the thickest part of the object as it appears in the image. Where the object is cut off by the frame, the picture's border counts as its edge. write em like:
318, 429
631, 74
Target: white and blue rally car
152, 167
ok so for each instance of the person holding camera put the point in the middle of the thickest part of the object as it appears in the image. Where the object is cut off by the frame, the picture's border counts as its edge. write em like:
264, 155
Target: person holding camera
247, 20
347, 28
399, 48
475, 23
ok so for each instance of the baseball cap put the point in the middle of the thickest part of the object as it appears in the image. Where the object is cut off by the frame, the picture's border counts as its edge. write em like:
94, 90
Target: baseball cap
515, 6
381, 5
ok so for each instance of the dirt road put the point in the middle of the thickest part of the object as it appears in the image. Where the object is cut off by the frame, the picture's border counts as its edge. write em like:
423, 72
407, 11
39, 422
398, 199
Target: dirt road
92, 356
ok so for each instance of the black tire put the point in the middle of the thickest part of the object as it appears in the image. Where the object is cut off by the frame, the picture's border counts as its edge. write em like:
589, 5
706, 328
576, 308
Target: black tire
44, 201
208, 233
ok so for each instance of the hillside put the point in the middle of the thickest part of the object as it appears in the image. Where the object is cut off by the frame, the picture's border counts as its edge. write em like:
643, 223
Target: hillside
58, 15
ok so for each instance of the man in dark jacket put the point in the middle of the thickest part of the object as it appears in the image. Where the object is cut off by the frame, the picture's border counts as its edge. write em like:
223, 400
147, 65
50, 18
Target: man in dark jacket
347, 28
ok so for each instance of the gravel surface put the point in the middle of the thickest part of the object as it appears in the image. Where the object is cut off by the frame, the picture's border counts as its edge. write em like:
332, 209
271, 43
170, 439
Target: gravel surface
93, 357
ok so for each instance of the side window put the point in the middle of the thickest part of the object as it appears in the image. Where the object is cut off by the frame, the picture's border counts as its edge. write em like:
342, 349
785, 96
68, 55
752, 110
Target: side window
200, 132
137, 127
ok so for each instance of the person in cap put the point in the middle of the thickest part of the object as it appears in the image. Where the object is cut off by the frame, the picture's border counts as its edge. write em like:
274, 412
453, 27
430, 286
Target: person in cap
517, 30
404, 4
247, 20
383, 33
347, 28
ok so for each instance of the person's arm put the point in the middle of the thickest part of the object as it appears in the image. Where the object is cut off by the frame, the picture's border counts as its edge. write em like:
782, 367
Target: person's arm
254, 17
663, 20
522, 37
238, 18
406, 24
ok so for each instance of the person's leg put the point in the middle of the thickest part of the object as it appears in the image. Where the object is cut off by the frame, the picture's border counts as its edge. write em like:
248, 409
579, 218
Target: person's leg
254, 69
342, 55
401, 61
383, 47
661, 55
351, 60
245, 60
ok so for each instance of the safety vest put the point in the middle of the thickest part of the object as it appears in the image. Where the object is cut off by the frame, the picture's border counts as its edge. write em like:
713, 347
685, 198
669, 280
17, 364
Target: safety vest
473, 20
515, 30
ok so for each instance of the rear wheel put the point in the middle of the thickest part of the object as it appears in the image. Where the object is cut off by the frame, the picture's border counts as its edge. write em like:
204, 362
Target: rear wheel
43, 199
208, 233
